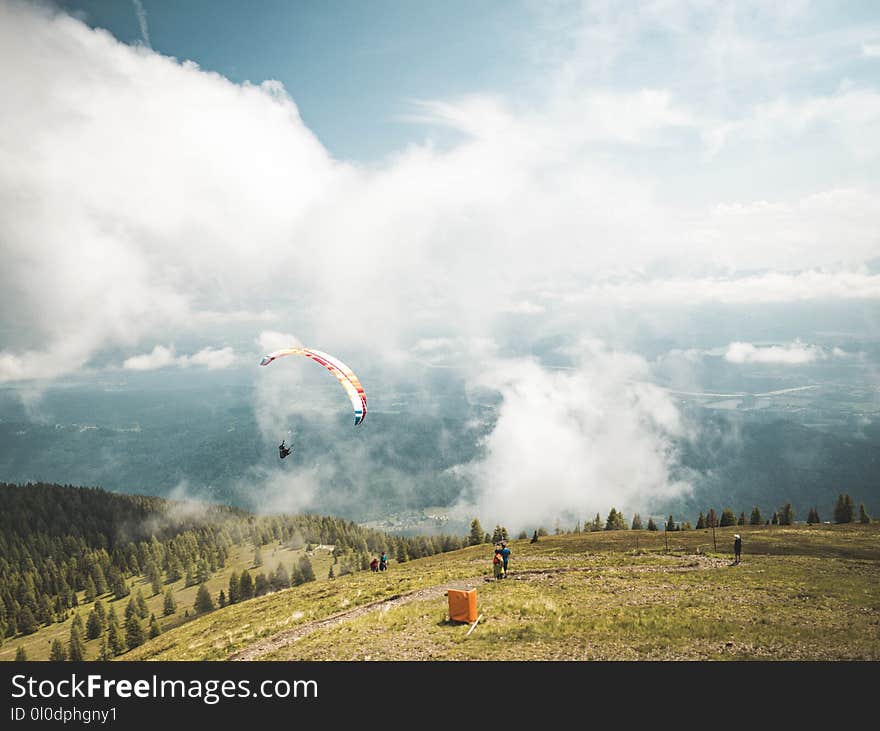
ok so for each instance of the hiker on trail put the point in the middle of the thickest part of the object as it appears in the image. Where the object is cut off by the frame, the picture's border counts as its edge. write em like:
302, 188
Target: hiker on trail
498, 564
534, 538
505, 555
374, 565
737, 548
383, 561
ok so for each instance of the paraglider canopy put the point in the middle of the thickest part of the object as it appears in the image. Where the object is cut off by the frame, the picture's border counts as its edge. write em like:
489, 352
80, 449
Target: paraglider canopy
346, 377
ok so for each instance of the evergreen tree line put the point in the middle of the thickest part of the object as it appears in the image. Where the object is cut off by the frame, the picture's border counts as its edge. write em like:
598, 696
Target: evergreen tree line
844, 512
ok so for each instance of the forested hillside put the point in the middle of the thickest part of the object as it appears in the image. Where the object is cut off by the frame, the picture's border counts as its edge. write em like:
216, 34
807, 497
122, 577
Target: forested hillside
63, 547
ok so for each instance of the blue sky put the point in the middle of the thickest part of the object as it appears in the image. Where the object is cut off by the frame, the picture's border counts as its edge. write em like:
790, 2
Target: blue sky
353, 68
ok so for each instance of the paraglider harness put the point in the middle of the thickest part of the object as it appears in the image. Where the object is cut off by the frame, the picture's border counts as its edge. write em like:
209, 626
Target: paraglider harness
282, 450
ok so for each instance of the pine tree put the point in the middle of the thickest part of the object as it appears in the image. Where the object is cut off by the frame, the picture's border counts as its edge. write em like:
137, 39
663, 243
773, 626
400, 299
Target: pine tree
280, 578
221, 600
91, 591
134, 633
155, 630
76, 650
94, 625
742, 519
615, 520
20, 654
305, 567
27, 624
522, 534
637, 522
651, 524
727, 518
258, 557
174, 570
261, 584
104, 653
100, 580
863, 514
246, 586
597, 524
701, 521
786, 514
813, 517
114, 637
234, 588
140, 603
476, 535
204, 602
844, 510
670, 523
330, 574
203, 571
496, 534
756, 518
711, 518
120, 587
169, 605
57, 652
296, 575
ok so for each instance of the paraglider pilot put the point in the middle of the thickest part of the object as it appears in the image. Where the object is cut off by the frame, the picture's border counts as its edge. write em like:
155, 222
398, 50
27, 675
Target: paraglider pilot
282, 450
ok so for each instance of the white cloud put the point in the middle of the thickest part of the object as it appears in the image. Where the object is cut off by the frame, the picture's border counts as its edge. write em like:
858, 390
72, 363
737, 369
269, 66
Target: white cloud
164, 357
871, 50
212, 358
756, 289
139, 194
158, 357
796, 353
556, 448
851, 114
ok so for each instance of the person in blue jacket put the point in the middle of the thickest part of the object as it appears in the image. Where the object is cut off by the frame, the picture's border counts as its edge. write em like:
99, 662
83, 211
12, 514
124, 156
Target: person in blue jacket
505, 556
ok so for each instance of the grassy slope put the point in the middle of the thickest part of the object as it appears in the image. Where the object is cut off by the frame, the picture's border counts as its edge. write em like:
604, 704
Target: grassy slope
800, 593
241, 557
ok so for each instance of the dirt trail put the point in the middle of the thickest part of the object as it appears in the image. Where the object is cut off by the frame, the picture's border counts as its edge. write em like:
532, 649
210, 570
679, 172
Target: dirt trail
286, 637
275, 642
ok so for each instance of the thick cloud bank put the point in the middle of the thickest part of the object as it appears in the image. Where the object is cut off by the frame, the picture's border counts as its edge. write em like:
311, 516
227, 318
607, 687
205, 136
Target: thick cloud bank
575, 442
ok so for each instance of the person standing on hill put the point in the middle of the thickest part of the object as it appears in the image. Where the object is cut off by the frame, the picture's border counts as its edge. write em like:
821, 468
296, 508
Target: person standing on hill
505, 555
383, 561
497, 564
374, 565
534, 538
737, 548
